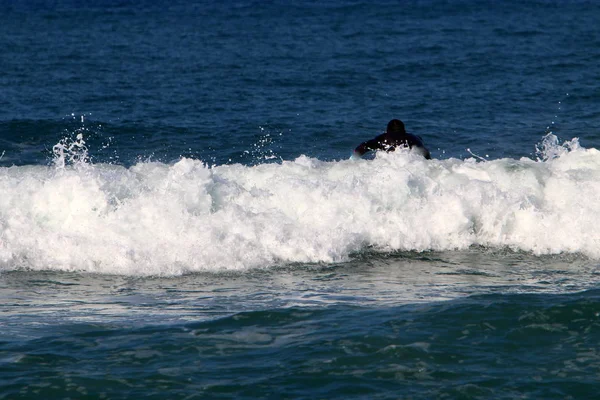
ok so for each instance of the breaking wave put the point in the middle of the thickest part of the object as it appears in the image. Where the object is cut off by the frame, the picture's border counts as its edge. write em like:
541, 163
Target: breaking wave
168, 219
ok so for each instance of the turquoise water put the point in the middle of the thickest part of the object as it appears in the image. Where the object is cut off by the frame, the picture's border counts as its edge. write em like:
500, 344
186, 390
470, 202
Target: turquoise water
302, 332
179, 217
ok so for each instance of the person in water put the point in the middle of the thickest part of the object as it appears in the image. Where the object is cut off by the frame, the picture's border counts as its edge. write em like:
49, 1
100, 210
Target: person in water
394, 136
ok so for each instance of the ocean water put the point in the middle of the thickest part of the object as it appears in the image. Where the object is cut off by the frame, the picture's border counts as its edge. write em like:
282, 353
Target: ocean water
179, 216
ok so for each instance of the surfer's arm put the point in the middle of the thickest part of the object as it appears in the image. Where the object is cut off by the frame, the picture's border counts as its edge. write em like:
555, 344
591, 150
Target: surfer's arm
373, 144
417, 141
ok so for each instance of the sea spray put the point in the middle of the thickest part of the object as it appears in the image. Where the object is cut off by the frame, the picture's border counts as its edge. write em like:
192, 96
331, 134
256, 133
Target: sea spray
69, 151
550, 147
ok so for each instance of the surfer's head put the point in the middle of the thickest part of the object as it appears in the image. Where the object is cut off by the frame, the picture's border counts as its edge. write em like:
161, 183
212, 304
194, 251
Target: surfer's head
395, 126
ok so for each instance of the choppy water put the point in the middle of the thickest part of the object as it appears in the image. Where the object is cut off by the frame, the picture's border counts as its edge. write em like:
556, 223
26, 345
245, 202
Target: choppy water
179, 217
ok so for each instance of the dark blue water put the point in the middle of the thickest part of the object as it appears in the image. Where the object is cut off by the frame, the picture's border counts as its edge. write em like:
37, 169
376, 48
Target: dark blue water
178, 217
210, 79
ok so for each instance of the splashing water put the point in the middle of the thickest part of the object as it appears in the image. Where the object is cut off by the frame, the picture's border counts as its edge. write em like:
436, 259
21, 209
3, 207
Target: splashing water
550, 148
69, 151
262, 150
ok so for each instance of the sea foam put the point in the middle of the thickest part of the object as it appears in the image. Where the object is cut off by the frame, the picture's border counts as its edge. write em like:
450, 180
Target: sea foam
169, 219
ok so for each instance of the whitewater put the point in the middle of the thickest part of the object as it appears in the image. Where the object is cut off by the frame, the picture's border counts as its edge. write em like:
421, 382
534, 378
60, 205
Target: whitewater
175, 218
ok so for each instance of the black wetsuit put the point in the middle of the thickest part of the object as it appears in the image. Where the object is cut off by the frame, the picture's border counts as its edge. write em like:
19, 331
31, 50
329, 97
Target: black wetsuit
388, 141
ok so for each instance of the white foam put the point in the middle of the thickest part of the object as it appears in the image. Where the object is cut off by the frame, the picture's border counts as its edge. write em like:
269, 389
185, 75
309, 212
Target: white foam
166, 219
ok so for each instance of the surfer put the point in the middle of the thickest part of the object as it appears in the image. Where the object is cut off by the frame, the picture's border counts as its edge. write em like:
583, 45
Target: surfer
394, 136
